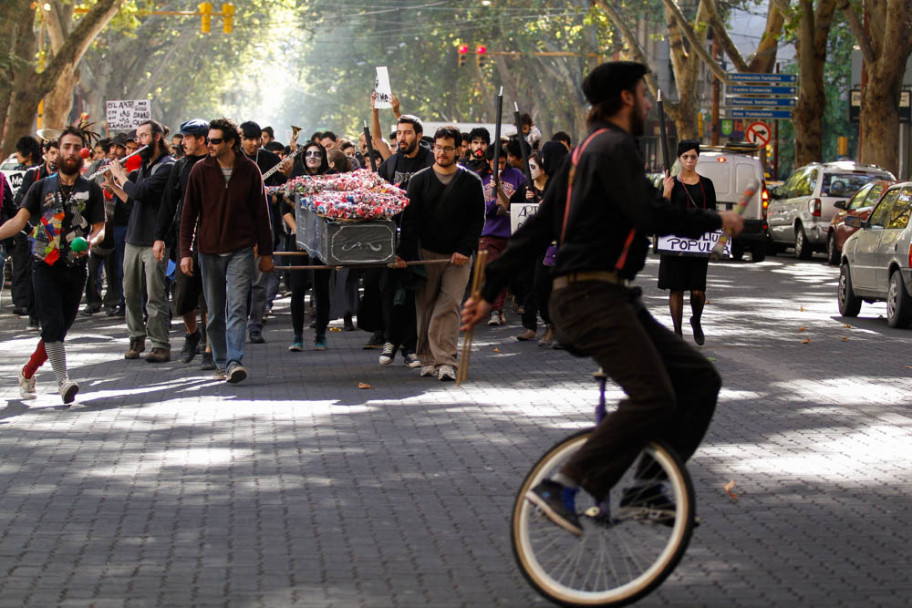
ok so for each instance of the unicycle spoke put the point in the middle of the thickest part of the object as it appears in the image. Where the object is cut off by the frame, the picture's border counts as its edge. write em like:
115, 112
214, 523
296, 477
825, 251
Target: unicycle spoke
630, 543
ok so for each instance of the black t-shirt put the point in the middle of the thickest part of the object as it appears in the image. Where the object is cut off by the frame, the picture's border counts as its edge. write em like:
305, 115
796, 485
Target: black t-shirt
398, 169
61, 214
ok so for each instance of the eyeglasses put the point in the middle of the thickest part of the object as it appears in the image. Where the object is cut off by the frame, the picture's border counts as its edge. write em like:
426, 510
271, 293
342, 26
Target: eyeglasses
446, 149
313, 154
216, 140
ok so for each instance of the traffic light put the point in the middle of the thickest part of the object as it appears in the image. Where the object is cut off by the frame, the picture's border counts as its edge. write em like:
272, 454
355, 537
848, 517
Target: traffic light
205, 9
462, 53
481, 55
228, 17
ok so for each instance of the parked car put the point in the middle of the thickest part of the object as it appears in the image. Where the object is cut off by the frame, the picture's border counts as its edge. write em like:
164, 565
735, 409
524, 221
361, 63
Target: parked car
800, 212
876, 261
860, 206
731, 169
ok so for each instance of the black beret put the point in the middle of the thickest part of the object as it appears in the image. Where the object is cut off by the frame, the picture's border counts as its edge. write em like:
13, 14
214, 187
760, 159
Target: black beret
609, 79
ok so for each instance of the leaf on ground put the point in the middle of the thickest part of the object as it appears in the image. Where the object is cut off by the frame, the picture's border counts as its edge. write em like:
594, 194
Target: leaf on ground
364, 385
335, 329
802, 328
847, 326
908, 366
730, 490
802, 309
496, 350
845, 338
806, 341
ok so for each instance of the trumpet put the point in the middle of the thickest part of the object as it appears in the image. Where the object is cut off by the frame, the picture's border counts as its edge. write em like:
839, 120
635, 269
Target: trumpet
122, 160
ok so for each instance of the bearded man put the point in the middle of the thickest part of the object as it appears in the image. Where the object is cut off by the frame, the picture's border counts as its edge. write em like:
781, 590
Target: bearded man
141, 193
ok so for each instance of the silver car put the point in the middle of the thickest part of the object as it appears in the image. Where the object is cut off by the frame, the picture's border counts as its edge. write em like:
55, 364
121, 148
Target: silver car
876, 261
800, 212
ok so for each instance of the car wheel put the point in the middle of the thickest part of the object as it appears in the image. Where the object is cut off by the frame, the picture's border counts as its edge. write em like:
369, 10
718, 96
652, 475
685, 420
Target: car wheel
802, 247
773, 248
899, 303
832, 252
849, 303
737, 251
758, 252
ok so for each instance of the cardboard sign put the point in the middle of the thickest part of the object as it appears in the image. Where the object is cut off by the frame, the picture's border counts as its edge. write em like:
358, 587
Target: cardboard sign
124, 115
519, 213
382, 88
702, 246
15, 180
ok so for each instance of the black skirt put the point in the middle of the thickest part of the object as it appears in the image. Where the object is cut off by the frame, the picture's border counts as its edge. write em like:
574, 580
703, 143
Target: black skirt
683, 273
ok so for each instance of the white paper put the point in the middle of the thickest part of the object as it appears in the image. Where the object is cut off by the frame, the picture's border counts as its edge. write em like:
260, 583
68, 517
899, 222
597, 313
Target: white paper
384, 98
122, 115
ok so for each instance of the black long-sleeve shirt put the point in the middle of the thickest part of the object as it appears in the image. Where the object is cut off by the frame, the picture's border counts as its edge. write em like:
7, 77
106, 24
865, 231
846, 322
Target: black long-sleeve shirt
167, 226
613, 210
146, 187
442, 226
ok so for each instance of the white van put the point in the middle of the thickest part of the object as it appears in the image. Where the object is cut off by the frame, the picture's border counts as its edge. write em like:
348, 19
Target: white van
731, 169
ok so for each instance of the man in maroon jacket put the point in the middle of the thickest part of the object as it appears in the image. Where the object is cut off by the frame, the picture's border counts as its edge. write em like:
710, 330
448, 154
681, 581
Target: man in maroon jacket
225, 206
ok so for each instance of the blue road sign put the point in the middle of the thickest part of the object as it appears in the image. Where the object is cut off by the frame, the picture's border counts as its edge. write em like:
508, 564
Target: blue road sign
745, 77
761, 114
760, 89
761, 102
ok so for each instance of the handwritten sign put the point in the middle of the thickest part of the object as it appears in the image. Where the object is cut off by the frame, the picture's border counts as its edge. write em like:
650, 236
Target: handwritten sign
127, 114
702, 246
519, 213
384, 98
15, 180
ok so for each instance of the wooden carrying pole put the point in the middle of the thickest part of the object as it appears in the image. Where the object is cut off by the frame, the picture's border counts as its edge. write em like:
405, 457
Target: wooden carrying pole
477, 280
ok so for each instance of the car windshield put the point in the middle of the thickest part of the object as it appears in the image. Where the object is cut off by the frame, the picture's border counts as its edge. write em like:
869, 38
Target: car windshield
846, 184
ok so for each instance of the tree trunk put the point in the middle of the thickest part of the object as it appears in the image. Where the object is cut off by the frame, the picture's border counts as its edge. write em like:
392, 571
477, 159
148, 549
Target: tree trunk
59, 101
813, 31
21, 44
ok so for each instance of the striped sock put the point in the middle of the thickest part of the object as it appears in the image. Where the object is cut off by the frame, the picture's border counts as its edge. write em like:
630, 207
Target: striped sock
57, 355
35, 361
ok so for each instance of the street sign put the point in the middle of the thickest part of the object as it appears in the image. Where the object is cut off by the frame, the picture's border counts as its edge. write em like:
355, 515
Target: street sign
771, 78
761, 102
759, 114
760, 89
758, 133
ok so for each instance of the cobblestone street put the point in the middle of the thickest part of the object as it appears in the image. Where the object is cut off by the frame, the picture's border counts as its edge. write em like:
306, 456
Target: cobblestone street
163, 487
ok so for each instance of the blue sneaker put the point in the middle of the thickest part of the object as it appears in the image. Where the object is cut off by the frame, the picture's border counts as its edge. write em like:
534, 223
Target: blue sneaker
297, 344
558, 503
320, 343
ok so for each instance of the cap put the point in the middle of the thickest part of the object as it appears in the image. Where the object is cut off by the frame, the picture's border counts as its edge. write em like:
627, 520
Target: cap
609, 79
131, 136
196, 127
120, 140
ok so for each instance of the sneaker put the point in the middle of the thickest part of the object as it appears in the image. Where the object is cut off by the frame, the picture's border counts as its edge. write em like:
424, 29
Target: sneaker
376, 341
90, 310
26, 386
527, 335
110, 311
411, 360
428, 371
297, 345
388, 354
220, 374
558, 503
137, 345
256, 337
159, 355
497, 318
547, 338
68, 391
235, 373
191, 342
320, 343
446, 373
348, 325
207, 362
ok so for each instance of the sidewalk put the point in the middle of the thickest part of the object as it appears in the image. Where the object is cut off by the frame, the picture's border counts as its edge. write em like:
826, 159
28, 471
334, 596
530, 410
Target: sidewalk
163, 487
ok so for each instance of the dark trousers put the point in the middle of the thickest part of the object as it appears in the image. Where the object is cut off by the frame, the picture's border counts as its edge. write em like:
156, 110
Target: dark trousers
400, 317
671, 388
59, 290
112, 279
21, 286
536, 300
299, 283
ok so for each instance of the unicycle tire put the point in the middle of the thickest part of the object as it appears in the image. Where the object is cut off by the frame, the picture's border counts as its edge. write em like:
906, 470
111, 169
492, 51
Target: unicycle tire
622, 556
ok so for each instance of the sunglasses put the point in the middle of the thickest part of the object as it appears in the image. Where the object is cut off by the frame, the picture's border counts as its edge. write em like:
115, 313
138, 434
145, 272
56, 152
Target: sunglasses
216, 140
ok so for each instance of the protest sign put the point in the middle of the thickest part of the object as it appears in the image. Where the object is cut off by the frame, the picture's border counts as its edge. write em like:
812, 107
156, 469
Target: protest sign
702, 246
519, 213
384, 98
123, 115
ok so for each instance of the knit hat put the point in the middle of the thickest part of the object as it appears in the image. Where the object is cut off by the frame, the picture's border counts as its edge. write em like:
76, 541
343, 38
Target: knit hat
553, 154
609, 79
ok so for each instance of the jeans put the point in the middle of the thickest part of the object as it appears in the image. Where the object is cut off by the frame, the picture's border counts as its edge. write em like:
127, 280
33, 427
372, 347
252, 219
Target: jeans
258, 299
140, 267
671, 388
226, 283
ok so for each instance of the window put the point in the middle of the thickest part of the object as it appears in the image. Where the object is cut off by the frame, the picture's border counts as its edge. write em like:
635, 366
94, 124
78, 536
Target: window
793, 186
874, 195
859, 200
884, 211
899, 215
845, 184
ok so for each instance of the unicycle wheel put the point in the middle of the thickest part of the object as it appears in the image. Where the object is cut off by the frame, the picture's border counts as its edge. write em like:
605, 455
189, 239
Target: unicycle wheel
629, 545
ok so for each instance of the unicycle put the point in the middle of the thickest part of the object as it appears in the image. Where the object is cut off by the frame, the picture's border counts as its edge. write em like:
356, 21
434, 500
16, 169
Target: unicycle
631, 542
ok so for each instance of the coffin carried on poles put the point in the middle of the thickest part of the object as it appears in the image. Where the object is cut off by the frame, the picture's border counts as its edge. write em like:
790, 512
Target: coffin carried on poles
345, 219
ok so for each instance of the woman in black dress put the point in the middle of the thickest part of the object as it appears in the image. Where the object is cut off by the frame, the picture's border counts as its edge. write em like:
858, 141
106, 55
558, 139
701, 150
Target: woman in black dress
679, 273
